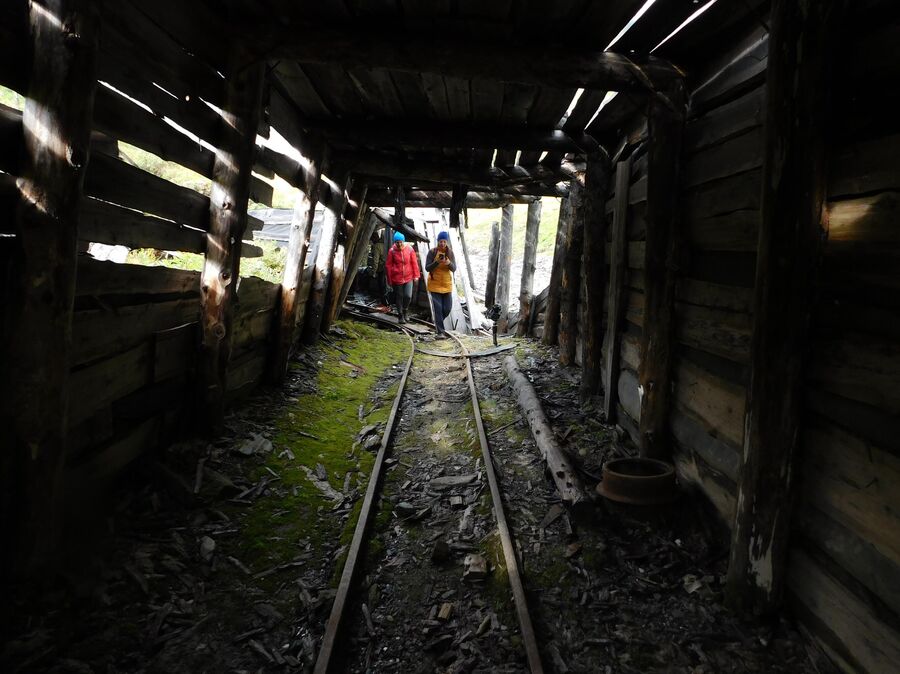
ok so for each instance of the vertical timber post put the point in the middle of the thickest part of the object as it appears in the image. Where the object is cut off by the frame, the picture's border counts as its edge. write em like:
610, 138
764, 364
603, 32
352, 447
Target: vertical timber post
37, 314
526, 289
457, 203
340, 271
617, 269
596, 183
366, 224
465, 250
228, 219
331, 229
504, 265
791, 235
490, 284
570, 281
551, 313
298, 244
666, 129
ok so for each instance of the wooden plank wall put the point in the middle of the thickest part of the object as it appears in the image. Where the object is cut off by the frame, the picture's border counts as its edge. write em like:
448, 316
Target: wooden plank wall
720, 223
135, 328
845, 560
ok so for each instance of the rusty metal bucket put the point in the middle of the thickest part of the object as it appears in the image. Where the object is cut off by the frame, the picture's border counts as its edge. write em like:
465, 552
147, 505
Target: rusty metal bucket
638, 481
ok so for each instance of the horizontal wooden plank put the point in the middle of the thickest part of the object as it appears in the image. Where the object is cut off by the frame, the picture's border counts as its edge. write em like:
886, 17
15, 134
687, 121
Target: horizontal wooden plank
118, 182
857, 556
734, 231
691, 434
100, 383
246, 372
865, 167
630, 352
715, 295
174, 351
694, 472
734, 156
860, 367
101, 222
97, 277
726, 195
634, 308
256, 294
250, 330
722, 123
871, 644
716, 403
860, 264
744, 69
104, 332
723, 333
106, 462
871, 218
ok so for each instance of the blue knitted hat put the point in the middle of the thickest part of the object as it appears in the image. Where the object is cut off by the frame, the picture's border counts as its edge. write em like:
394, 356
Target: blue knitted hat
445, 236
398, 236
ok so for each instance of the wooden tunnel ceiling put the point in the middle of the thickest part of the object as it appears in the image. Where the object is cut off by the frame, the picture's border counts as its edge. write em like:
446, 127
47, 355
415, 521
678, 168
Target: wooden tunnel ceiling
424, 92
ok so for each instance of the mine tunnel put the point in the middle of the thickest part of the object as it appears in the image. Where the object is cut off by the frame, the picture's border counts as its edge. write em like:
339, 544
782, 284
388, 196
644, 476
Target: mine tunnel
514, 336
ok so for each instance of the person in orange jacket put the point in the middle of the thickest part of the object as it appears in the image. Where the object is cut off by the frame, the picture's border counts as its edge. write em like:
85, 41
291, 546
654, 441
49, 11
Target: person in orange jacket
402, 270
440, 265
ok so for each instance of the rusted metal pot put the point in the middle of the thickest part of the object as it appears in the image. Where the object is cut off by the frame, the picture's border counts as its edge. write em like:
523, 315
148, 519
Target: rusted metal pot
638, 481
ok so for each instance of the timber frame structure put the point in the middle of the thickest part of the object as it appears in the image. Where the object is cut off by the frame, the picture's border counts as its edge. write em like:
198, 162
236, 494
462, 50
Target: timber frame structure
725, 269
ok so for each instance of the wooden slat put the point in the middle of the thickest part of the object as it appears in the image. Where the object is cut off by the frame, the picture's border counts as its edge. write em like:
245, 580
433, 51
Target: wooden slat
110, 278
739, 154
718, 404
115, 181
723, 333
106, 223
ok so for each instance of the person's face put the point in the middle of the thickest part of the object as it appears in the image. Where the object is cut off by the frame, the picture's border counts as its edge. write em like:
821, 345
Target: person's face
398, 244
442, 244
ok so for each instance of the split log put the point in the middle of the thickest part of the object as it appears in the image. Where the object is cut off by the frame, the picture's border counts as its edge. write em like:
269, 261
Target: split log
791, 228
38, 297
366, 226
526, 289
315, 311
102, 222
298, 243
592, 272
551, 313
666, 129
504, 265
570, 280
490, 287
227, 223
617, 269
564, 475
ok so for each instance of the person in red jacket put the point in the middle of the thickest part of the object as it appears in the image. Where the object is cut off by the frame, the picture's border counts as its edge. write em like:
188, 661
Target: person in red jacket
402, 269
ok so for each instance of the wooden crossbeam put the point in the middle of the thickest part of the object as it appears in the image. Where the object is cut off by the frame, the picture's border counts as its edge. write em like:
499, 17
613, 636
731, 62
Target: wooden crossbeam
545, 66
449, 135
381, 197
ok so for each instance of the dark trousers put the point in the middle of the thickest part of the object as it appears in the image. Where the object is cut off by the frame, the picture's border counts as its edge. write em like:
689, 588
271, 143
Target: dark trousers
403, 296
443, 305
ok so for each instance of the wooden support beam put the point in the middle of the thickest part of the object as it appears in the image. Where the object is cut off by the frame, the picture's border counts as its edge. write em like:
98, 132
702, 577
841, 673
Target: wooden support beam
798, 91
389, 134
298, 243
666, 131
546, 66
593, 268
490, 286
465, 249
345, 255
570, 281
504, 265
526, 288
227, 223
457, 203
38, 298
554, 294
618, 267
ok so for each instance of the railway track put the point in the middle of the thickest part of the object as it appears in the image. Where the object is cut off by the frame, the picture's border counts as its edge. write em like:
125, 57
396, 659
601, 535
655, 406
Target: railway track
332, 649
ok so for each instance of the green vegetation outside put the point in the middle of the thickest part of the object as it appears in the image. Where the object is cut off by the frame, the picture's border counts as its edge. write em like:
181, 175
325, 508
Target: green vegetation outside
478, 234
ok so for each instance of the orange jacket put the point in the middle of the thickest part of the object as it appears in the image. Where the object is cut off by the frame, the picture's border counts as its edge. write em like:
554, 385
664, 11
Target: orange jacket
401, 265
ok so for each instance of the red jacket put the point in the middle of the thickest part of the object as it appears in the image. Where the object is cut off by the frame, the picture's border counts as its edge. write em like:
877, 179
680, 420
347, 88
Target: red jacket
401, 265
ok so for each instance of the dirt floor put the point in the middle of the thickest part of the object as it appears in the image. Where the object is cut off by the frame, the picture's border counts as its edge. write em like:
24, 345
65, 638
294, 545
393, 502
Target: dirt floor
223, 556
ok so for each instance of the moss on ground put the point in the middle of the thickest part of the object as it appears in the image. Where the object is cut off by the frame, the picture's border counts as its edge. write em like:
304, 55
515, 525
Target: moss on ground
321, 428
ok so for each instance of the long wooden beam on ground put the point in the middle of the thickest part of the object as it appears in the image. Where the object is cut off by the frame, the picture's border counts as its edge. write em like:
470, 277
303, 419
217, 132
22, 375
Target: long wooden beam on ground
545, 66
227, 223
39, 294
798, 92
